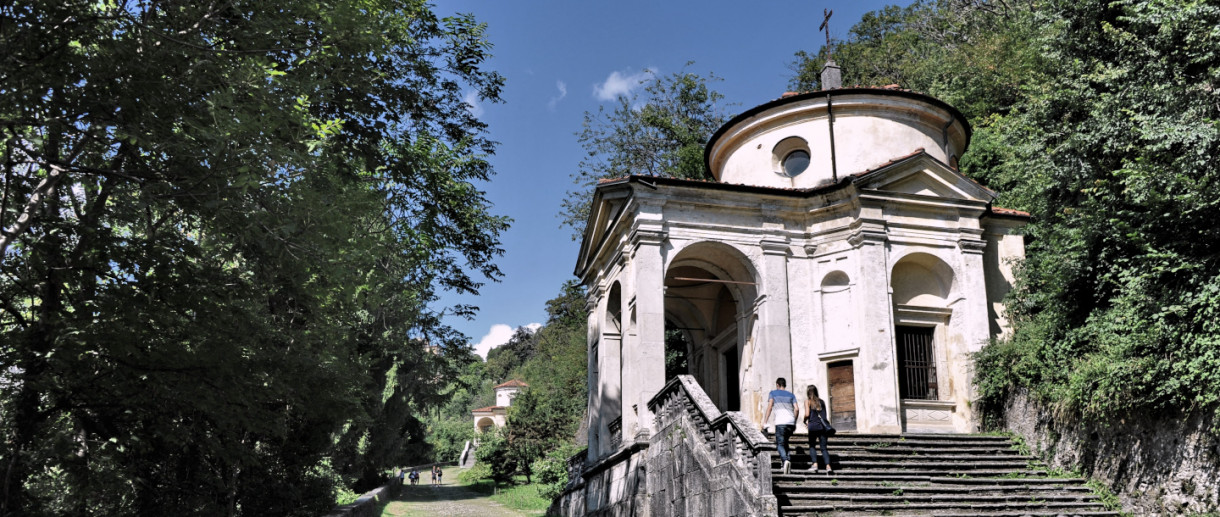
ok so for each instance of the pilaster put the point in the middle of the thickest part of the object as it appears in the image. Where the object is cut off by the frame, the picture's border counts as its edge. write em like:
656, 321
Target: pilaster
878, 354
644, 352
775, 328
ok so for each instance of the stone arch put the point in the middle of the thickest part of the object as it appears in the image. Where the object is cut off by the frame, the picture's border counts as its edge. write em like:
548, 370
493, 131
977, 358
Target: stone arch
709, 288
922, 279
923, 286
613, 320
838, 311
485, 424
835, 281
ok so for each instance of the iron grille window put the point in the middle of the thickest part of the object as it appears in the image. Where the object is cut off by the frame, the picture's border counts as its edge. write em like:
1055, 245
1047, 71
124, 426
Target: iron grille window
916, 365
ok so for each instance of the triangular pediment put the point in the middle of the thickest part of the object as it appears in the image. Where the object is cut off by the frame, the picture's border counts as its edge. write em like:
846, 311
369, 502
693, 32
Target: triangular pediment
604, 211
923, 175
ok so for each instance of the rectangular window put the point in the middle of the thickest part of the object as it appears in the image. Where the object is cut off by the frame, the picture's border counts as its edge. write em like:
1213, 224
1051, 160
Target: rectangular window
916, 363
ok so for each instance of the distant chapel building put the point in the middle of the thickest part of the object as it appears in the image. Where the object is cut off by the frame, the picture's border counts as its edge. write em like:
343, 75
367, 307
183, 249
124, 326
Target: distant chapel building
838, 246
491, 417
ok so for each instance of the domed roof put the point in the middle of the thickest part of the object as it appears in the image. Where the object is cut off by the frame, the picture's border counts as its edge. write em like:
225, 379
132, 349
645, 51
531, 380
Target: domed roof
788, 142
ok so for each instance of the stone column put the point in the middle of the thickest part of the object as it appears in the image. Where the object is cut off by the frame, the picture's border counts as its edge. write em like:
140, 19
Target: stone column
974, 324
877, 393
594, 381
644, 343
774, 353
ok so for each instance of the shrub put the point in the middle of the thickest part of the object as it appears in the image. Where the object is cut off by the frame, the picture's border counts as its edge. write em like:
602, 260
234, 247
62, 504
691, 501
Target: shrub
552, 471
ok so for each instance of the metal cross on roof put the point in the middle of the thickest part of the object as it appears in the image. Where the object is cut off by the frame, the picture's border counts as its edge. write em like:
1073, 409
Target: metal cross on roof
826, 26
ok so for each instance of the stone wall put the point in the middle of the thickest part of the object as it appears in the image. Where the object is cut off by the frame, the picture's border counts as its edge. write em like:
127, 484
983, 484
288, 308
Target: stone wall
700, 462
1156, 466
369, 504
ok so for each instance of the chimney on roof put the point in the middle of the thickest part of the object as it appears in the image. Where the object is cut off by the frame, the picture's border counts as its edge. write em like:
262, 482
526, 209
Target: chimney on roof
831, 78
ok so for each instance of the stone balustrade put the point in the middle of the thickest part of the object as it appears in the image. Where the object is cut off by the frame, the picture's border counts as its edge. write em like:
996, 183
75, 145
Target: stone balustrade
699, 461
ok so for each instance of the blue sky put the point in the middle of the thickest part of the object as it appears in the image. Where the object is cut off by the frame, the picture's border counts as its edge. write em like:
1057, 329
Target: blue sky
563, 58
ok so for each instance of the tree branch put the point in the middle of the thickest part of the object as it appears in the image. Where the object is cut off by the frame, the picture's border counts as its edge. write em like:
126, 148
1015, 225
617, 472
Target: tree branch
44, 189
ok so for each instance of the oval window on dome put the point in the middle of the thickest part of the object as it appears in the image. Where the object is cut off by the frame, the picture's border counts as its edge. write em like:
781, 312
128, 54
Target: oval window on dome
796, 162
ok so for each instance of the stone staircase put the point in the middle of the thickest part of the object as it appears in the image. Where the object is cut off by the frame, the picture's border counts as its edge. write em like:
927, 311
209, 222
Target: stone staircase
927, 474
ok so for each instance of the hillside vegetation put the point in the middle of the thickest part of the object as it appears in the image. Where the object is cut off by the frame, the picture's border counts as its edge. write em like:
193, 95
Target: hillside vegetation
543, 419
1102, 119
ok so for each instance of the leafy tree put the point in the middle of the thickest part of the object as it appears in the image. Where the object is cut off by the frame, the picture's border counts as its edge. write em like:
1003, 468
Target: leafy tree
1117, 306
661, 134
883, 48
552, 470
930, 47
448, 437
546, 415
504, 361
1100, 118
224, 229
494, 452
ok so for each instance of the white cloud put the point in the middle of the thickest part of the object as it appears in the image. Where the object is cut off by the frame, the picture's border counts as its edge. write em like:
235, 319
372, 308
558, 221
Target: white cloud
619, 84
563, 92
472, 100
498, 335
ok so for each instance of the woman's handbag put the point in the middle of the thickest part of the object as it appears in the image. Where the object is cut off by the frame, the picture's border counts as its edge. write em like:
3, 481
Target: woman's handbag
826, 427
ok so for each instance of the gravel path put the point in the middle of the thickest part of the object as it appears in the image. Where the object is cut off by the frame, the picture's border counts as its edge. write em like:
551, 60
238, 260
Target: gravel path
445, 500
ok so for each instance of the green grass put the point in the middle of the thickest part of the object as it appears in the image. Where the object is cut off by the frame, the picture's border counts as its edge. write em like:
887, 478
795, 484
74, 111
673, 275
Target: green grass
413, 501
518, 495
522, 497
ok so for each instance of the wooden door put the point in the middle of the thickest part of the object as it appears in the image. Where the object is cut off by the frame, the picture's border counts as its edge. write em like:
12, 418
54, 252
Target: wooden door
842, 402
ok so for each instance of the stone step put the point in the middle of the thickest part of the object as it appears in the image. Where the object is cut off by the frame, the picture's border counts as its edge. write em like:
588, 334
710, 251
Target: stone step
932, 508
868, 456
889, 487
892, 474
929, 438
959, 469
831, 511
903, 450
926, 474
901, 496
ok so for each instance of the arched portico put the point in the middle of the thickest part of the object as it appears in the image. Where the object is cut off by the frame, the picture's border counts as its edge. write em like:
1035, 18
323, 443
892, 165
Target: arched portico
710, 293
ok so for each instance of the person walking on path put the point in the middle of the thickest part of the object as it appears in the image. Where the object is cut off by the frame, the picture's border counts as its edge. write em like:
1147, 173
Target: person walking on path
786, 413
434, 475
440, 475
816, 421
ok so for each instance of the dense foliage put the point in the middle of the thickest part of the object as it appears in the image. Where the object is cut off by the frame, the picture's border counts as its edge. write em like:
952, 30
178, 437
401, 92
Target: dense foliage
546, 416
225, 228
544, 419
661, 134
1102, 118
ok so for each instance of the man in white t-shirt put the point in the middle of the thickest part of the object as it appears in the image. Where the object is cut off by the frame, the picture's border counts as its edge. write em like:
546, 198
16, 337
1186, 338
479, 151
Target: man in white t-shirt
786, 414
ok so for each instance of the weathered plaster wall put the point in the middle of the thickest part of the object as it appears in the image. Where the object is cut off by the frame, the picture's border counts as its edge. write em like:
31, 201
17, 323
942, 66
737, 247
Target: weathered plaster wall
1157, 467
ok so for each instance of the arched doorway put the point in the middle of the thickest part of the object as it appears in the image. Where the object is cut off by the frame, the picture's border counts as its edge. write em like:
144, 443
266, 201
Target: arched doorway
922, 285
709, 295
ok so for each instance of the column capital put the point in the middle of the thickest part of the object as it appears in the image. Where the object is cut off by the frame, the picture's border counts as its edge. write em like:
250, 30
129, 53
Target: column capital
648, 236
775, 246
867, 235
972, 246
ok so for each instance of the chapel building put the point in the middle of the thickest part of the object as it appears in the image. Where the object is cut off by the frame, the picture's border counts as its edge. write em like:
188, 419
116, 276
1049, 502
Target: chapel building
492, 417
838, 246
